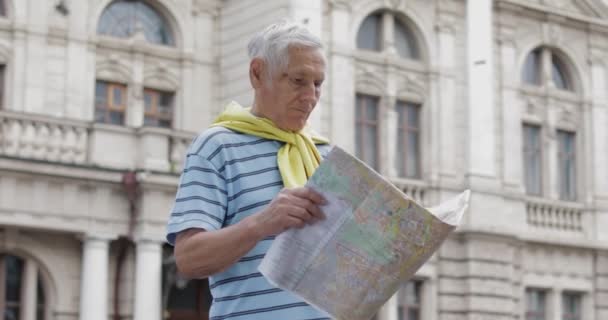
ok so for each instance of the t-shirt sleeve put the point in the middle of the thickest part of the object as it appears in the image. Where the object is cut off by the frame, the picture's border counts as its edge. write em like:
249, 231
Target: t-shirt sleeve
201, 198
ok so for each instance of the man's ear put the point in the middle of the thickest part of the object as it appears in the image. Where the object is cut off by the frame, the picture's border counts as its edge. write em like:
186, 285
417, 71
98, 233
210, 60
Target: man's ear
257, 72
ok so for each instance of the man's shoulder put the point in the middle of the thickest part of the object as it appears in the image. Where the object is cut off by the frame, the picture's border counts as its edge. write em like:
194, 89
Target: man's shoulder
208, 141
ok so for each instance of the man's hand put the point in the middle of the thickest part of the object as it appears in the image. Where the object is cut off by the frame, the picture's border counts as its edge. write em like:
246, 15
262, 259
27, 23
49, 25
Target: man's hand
291, 208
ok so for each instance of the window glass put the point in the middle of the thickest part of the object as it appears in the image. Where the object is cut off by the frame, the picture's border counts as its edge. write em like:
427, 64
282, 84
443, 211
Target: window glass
123, 18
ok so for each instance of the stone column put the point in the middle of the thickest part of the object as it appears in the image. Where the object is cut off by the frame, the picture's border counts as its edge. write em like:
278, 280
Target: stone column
443, 111
341, 90
482, 139
148, 280
94, 279
30, 277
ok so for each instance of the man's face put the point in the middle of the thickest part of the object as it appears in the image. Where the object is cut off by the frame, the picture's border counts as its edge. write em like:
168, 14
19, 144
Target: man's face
294, 92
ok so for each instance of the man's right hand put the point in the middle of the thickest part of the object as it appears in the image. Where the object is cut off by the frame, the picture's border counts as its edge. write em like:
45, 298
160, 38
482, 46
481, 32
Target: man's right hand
291, 208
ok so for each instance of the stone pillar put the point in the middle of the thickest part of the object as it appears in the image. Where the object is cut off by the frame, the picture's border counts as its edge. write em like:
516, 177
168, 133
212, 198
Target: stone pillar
341, 90
482, 140
30, 277
443, 112
148, 280
94, 279
511, 111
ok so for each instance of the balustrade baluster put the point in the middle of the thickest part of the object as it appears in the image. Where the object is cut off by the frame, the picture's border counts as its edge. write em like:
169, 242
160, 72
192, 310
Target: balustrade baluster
68, 146
41, 141
26, 146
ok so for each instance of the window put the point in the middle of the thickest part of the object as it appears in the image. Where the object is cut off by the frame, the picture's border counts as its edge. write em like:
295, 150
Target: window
110, 102
408, 140
533, 68
567, 165
405, 42
571, 306
13, 289
558, 73
535, 64
409, 299
367, 129
532, 159
535, 304
2, 8
371, 35
124, 18
158, 108
2, 71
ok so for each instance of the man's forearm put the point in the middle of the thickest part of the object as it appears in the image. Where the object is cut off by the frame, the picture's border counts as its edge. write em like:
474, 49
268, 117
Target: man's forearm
200, 254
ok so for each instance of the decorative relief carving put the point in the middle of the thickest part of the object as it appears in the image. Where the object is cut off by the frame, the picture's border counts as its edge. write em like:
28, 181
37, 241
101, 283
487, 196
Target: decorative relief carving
552, 33
210, 7
340, 4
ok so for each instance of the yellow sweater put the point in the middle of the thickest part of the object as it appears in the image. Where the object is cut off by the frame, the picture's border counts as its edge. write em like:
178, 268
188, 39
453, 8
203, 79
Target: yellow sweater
297, 159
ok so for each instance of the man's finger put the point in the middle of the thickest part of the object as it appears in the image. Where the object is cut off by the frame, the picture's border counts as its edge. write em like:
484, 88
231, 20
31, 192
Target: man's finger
308, 205
310, 194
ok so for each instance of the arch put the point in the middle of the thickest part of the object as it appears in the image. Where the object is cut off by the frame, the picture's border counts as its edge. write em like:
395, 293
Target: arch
579, 84
176, 19
47, 279
407, 15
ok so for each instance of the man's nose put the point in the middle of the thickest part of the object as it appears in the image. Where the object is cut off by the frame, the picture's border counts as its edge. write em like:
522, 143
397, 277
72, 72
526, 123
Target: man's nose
309, 92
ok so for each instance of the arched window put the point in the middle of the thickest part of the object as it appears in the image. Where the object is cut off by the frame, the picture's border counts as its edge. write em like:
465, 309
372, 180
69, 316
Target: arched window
371, 35
14, 289
405, 42
124, 18
535, 63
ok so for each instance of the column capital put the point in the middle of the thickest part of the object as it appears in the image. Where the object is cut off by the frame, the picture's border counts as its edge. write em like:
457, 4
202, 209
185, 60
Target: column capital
96, 237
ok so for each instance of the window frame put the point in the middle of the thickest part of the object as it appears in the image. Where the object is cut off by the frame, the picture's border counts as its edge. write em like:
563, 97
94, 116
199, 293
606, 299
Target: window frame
548, 58
404, 130
160, 17
110, 105
2, 86
41, 309
155, 113
579, 297
536, 314
404, 307
362, 149
381, 40
571, 193
538, 152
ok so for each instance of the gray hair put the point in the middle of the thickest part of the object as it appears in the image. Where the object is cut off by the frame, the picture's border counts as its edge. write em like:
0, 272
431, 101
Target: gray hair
272, 43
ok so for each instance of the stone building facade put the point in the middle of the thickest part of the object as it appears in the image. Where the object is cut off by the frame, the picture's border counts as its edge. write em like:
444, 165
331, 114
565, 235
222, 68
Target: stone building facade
508, 98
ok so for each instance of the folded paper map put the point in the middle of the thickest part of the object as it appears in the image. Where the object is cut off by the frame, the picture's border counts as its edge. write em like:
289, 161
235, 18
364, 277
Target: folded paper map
373, 239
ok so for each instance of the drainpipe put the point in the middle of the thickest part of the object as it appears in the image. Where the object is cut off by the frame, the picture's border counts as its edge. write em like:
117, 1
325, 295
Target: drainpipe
131, 191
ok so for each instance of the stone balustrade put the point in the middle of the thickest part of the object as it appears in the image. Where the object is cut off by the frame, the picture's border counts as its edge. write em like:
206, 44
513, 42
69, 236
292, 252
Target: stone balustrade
43, 138
556, 216
412, 188
54, 140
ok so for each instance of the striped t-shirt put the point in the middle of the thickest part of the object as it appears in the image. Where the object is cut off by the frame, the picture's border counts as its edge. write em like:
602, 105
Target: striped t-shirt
228, 176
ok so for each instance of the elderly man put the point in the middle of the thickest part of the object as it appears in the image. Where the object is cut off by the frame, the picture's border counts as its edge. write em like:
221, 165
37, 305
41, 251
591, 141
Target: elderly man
243, 180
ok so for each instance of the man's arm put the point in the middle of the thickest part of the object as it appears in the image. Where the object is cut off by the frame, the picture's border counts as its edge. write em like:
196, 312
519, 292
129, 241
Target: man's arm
201, 253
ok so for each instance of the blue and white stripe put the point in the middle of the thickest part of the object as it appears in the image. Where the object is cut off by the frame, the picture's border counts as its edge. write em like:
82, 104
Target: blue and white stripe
228, 176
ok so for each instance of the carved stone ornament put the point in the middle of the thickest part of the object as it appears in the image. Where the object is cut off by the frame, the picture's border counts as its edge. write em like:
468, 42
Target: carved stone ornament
552, 33
340, 4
